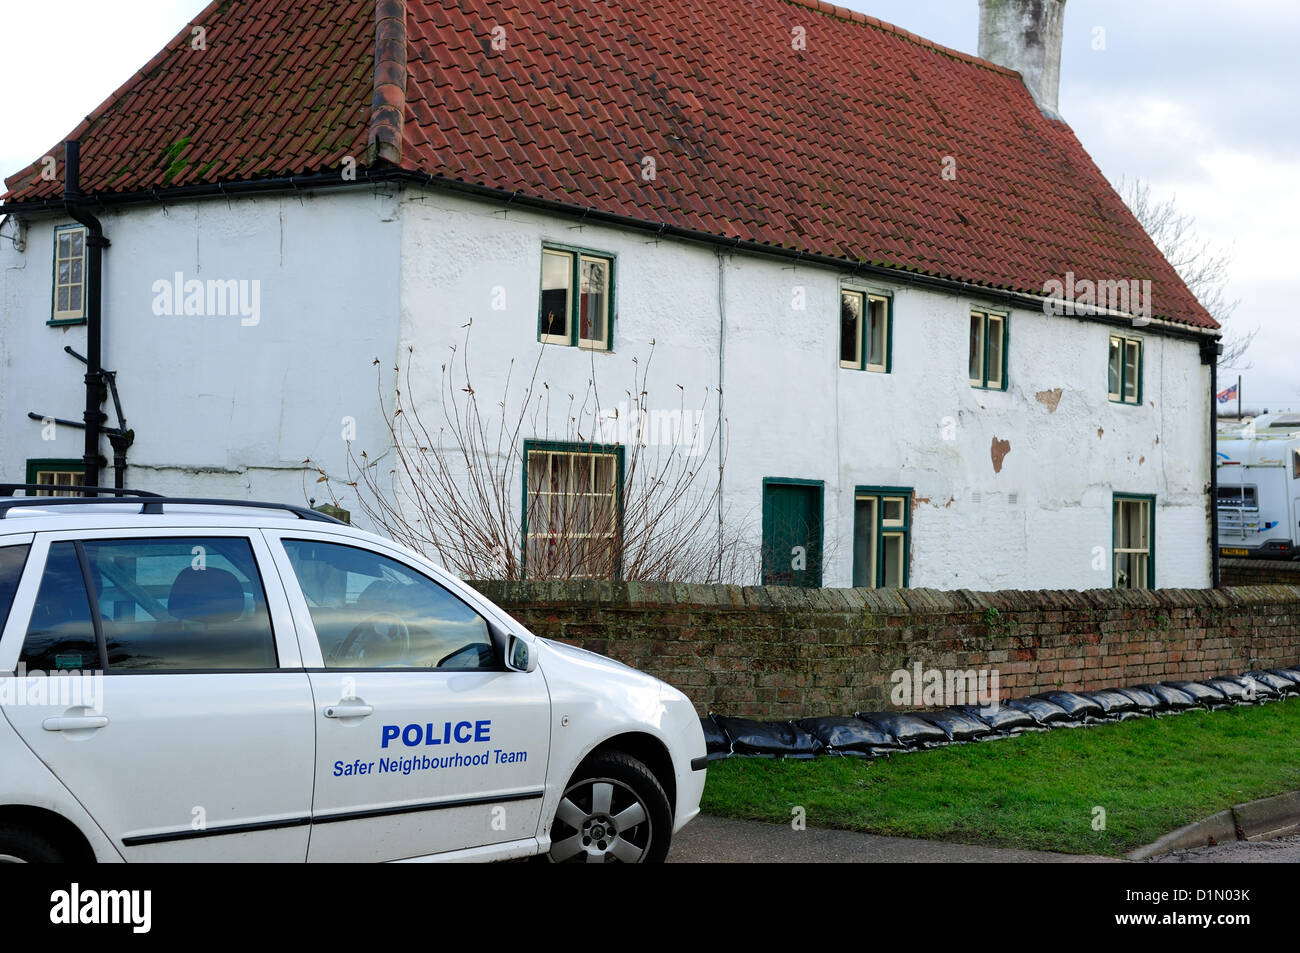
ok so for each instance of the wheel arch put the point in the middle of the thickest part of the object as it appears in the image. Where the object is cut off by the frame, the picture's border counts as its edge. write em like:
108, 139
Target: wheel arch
647, 749
69, 839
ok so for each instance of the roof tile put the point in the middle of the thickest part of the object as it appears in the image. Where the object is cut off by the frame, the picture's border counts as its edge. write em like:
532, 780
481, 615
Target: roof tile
836, 150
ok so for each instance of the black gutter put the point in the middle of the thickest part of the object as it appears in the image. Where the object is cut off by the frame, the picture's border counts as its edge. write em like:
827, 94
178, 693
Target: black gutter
391, 175
1210, 352
96, 391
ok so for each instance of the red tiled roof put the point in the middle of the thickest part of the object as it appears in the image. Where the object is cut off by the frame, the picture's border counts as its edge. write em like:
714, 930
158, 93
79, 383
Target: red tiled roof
837, 149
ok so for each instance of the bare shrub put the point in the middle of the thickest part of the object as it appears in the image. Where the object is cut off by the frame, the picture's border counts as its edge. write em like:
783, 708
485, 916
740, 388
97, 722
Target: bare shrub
628, 491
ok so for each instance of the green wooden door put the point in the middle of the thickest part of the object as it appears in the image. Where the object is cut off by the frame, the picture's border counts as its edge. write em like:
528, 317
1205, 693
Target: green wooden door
792, 533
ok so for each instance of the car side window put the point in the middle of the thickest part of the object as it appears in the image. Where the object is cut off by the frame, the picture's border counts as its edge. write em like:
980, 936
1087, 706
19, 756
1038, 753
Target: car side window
12, 560
370, 611
61, 634
164, 604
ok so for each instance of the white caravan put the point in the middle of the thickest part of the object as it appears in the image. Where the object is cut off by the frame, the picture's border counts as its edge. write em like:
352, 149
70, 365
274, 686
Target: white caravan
1259, 489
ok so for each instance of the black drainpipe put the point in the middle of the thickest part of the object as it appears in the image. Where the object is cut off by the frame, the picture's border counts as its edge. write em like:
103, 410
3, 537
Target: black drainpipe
96, 389
1210, 351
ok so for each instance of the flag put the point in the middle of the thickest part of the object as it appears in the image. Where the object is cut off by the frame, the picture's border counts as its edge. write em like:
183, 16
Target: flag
1227, 395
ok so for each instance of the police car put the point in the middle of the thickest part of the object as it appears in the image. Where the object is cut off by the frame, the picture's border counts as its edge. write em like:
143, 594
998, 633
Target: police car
207, 680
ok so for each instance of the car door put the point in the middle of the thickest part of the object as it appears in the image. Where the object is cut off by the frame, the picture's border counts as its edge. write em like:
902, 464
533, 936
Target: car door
172, 704
425, 742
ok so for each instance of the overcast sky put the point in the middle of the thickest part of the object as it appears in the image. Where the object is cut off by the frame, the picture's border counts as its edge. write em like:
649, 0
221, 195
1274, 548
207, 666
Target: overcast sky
1196, 97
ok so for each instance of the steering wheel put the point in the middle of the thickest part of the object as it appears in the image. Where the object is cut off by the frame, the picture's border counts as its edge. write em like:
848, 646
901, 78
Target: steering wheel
368, 630
474, 650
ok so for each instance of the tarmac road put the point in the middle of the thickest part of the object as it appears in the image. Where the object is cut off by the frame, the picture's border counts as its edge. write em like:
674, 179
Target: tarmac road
1283, 851
728, 841
725, 840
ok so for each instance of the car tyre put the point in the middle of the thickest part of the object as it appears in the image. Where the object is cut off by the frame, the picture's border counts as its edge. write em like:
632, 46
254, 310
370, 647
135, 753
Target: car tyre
613, 810
21, 846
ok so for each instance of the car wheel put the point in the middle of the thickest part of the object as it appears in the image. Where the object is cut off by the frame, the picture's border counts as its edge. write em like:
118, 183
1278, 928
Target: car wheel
19, 846
613, 810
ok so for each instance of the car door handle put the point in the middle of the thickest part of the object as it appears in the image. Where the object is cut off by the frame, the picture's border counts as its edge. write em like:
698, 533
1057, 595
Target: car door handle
75, 723
351, 710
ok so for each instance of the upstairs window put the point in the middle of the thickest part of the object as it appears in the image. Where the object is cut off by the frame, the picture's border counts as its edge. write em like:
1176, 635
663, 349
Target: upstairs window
581, 319
988, 350
864, 331
69, 275
1125, 370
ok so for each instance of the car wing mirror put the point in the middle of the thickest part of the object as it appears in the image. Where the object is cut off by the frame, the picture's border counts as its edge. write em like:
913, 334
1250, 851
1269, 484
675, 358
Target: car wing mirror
520, 656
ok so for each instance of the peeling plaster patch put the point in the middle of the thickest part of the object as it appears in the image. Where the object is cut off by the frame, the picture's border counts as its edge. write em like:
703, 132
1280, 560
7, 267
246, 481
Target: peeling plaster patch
1049, 399
999, 451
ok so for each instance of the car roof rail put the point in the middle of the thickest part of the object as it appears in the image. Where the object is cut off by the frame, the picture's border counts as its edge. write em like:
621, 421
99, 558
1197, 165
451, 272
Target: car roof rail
150, 503
7, 489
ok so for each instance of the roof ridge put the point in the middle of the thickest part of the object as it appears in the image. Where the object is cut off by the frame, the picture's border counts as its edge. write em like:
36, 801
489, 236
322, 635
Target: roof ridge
844, 13
388, 108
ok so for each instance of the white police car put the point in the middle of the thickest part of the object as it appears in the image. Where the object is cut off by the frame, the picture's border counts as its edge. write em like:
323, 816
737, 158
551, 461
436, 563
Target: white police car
227, 681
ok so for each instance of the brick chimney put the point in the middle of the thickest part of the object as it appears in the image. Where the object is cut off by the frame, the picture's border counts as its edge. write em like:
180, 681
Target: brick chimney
1025, 35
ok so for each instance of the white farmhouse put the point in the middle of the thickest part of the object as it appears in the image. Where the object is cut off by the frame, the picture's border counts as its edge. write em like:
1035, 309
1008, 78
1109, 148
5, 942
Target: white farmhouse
940, 350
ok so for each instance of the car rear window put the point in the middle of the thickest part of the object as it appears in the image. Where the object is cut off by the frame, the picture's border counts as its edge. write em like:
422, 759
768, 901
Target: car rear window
12, 560
179, 603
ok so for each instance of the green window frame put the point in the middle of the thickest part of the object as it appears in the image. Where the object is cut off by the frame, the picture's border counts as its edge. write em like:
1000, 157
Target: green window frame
1124, 370
68, 285
882, 528
59, 474
866, 330
588, 316
569, 522
988, 349
1133, 541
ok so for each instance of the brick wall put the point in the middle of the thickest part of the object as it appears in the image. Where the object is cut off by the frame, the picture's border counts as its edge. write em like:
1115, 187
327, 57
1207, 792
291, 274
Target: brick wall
781, 652
1259, 572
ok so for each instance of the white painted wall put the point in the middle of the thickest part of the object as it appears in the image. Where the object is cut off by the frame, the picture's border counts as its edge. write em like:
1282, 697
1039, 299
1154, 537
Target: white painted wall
356, 275
218, 408
792, 412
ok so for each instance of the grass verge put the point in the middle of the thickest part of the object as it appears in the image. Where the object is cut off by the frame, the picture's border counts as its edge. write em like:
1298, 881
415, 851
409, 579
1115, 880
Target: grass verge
1038, 791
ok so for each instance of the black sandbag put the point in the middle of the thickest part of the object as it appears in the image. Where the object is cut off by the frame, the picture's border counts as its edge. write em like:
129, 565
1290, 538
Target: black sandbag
907, 728
1280, 686
1292, 679
1201, 693
717, 744
957, 724
1144, 701
839, 734
1232, 689
1258, 684
1041, 710
1174, 699
1112, 702
1076, 706
773, 738
1000, 718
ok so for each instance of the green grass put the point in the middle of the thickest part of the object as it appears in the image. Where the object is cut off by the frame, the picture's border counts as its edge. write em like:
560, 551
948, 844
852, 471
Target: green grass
1037, 791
